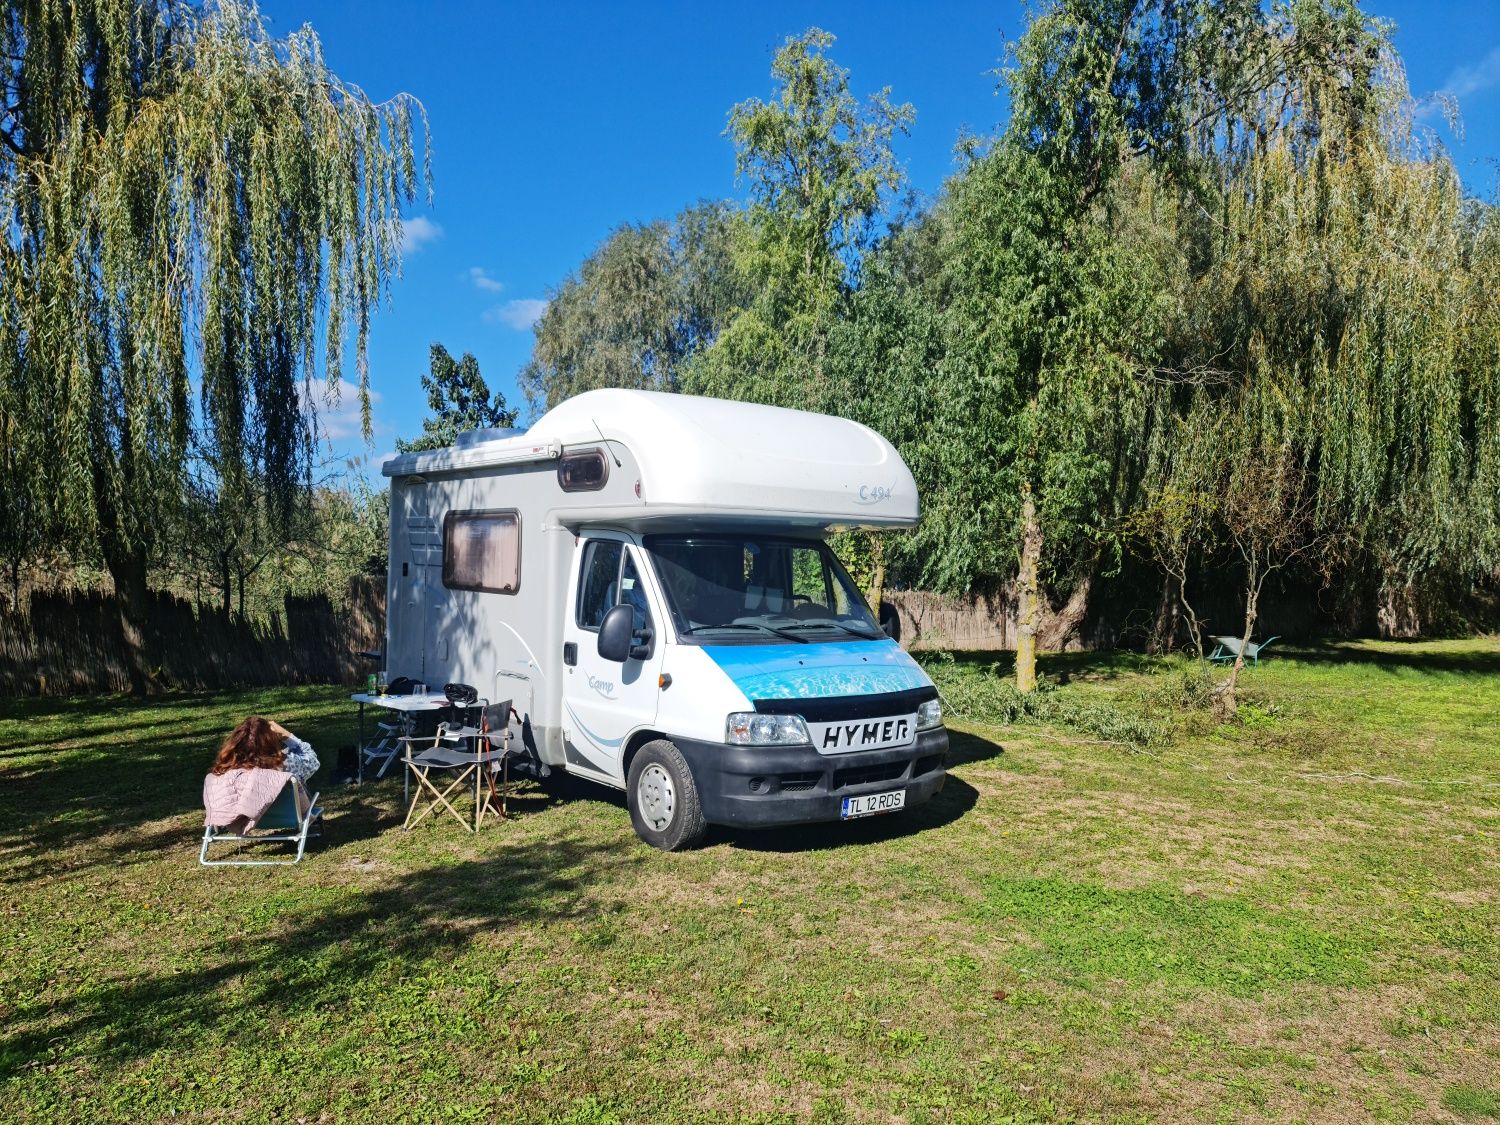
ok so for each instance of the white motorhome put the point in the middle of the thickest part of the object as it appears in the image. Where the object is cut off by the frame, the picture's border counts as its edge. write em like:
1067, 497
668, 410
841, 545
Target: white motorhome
645, 576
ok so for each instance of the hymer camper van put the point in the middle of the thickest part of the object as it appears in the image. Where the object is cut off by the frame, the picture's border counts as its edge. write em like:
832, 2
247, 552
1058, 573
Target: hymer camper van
645, 576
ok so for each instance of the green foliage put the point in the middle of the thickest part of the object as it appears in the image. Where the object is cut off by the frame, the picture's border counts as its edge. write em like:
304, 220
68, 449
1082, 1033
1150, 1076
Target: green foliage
1160, 935
985, 694
819, 169
1211, 299
459, 400
1472, 1101
639, 308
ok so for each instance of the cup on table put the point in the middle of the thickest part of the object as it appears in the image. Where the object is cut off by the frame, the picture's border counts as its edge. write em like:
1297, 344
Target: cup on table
420, 689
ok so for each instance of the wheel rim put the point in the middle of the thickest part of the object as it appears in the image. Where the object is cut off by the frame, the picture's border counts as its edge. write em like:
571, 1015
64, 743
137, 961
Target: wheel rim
656, 797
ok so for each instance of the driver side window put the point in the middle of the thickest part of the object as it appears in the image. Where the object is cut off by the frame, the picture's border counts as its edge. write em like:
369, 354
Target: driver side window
609, 578
598, 585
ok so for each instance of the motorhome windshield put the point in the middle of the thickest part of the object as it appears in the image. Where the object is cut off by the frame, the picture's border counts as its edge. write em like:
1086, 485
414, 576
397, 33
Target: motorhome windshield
726, 589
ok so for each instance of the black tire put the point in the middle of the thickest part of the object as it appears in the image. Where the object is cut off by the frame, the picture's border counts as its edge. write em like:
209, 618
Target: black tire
663, 798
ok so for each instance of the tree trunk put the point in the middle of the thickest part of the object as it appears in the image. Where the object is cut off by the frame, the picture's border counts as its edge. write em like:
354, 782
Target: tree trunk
1396, 614
1164, 623
127, 567
1194, 626
226, 589
877, 575
1226, 701
1056, 631
1027, 607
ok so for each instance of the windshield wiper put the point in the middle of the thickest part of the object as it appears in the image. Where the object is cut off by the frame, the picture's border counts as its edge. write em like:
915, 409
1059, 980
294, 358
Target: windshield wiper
827, 622
748, 625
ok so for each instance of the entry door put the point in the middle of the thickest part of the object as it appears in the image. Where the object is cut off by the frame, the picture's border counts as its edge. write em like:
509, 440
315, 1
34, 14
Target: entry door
420, 583
604, 702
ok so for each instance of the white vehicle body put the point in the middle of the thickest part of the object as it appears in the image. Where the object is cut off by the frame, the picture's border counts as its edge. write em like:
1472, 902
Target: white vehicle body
506, 547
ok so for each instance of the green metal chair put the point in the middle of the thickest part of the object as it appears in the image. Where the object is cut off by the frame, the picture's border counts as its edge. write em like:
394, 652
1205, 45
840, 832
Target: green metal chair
285, 822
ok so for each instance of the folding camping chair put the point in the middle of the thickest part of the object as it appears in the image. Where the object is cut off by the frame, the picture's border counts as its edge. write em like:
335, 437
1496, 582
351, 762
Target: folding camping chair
476, 754
287, 821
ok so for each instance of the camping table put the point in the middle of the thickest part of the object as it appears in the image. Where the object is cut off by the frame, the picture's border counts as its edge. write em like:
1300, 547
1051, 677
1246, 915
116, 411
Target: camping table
431, 701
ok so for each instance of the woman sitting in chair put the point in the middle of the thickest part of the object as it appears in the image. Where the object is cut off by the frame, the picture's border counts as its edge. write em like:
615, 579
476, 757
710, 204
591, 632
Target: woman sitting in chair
251, 769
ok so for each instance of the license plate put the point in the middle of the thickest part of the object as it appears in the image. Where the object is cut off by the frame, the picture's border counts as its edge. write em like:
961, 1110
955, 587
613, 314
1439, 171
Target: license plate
869, 804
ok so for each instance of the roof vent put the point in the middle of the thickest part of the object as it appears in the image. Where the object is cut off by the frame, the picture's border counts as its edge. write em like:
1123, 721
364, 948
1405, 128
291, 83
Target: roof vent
479, 437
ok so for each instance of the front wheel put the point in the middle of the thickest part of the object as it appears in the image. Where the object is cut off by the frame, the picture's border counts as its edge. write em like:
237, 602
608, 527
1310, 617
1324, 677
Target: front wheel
663, 799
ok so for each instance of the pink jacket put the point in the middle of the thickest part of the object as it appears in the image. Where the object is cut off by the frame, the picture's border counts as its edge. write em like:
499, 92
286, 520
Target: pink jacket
236, 799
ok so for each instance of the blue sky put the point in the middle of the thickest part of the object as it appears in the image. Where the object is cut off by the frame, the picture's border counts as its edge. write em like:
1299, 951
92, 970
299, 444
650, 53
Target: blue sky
553, 123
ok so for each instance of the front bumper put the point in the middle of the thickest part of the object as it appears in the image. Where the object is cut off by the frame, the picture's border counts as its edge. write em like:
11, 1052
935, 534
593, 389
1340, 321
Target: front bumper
762, 786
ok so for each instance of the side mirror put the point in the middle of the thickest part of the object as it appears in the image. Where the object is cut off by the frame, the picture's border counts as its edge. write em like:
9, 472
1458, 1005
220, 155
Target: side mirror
640, 644
615, 634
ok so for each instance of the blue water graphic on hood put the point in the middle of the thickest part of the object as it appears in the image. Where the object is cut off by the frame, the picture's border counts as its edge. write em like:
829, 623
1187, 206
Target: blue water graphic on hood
818, 671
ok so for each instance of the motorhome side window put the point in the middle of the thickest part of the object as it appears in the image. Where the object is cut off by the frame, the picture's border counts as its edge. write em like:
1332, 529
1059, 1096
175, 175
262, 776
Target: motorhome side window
482, 551
583, 471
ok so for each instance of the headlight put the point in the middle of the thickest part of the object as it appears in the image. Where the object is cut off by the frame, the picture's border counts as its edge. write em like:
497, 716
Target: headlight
746, 728
930, 714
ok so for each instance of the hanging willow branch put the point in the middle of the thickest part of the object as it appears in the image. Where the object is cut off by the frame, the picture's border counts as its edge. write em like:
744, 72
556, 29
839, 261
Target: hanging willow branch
197, 215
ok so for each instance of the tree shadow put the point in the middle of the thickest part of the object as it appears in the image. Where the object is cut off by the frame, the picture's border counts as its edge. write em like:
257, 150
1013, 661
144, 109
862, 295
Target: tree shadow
322, 960
113, 775
1063, 666
1393, 655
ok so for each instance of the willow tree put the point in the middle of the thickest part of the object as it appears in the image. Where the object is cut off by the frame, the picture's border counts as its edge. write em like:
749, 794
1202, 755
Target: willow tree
1342, 282
197, 218
1107, 94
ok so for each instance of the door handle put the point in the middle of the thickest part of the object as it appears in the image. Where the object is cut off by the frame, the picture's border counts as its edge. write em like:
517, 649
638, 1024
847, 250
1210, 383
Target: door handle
570, 653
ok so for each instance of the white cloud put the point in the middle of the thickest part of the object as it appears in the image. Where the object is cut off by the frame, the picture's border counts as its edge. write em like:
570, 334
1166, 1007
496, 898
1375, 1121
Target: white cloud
1462, 83
417, 232
482, 280
519, 314
1467, 80
340, 421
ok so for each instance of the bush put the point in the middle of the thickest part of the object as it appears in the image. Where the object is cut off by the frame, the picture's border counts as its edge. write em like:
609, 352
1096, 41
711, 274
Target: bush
1177, 698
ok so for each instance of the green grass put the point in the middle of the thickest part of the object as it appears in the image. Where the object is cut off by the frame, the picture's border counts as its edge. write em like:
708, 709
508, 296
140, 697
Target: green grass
1293, 916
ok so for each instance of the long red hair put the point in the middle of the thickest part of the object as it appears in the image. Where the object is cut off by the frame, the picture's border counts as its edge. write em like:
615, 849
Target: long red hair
251, 745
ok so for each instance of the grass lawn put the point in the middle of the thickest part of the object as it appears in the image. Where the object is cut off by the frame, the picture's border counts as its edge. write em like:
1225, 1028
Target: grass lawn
1296, 917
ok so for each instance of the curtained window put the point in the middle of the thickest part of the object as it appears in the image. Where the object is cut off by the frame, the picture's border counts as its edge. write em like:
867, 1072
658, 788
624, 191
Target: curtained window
482, 551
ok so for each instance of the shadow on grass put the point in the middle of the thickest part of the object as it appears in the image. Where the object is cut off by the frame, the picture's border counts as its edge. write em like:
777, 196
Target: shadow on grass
1391, 655
327, 957
956, 798
965, 748
115, 773
1060, 666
